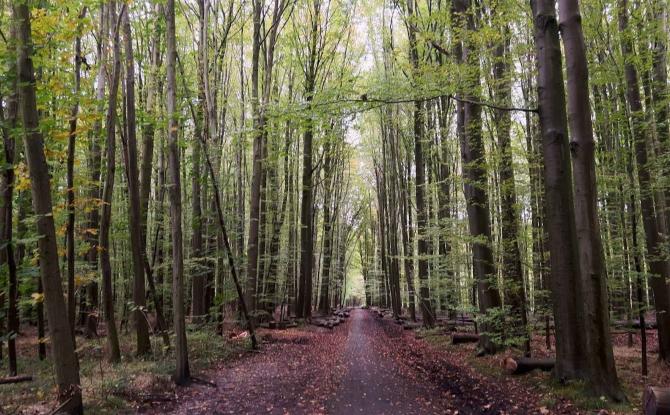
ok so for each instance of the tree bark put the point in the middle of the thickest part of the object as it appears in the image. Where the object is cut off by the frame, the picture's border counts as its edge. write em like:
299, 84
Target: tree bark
182, 372
658, 266
72, 136
9, 121
593, 284
420, 183
143, 344
304, 302
475, 186
560, 219
511, 255
108, 191
64, 356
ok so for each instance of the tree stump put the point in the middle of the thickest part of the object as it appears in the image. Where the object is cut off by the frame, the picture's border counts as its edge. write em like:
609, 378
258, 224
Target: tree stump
656, 401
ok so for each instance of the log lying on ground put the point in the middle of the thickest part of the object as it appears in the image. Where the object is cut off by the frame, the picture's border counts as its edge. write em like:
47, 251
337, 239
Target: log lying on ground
635, 324
521, 365
459, 338
16, 379
411, 326
656, 401
327, 322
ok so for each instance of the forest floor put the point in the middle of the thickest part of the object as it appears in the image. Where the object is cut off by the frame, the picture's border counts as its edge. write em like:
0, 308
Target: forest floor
367, 365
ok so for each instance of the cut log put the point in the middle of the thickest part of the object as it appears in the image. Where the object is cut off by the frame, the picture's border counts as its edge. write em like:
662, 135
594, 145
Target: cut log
656, 401
521, 365
635, 324
459, 338
16, 379
412, 326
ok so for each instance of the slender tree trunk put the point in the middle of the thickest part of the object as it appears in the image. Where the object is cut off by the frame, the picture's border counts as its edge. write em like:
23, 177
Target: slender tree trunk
182, 372
658, 266
420, 184
515, 288
89, 307
9, 121
198, 310
257, 166
134, 212
475, 183
107, 194
72, 135
64, 356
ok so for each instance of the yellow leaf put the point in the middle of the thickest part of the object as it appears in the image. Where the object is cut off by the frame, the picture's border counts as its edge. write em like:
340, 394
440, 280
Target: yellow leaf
37, 297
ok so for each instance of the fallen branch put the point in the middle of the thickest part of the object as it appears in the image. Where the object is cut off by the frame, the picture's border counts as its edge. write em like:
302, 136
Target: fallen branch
16, 379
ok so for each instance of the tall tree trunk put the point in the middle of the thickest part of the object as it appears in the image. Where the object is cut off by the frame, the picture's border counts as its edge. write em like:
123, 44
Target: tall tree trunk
89, 307
658, 266
444, 209
257, 166
475, 185
182, 372
108, 193
324, 301
9, 121
134, 215
304, 302
515, 289
420, 184
64, 356
72, 136
560, 219
602, 377
198, 310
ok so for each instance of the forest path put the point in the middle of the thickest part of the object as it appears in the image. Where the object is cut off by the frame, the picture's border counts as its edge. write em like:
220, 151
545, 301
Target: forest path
365, 366
372, 382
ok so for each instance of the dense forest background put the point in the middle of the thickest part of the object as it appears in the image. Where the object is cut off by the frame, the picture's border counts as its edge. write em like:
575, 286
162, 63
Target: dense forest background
172, 169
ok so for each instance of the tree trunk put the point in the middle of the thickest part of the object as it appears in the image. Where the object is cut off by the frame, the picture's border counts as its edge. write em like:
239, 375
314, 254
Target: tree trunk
72, 135
107, 195
7, 213
420, 185
511, 256
602, 377
182, 373
134, 215
658, 266
198, 310
257, 167
560, 223
475, 184
64, 356
90, 305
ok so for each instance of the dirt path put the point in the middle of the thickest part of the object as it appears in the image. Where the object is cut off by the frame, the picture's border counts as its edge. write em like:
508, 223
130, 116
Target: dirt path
365, 366
372, 383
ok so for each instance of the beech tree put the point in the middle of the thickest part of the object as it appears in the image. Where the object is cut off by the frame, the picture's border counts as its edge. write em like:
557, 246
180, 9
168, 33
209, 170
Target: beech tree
65, 359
